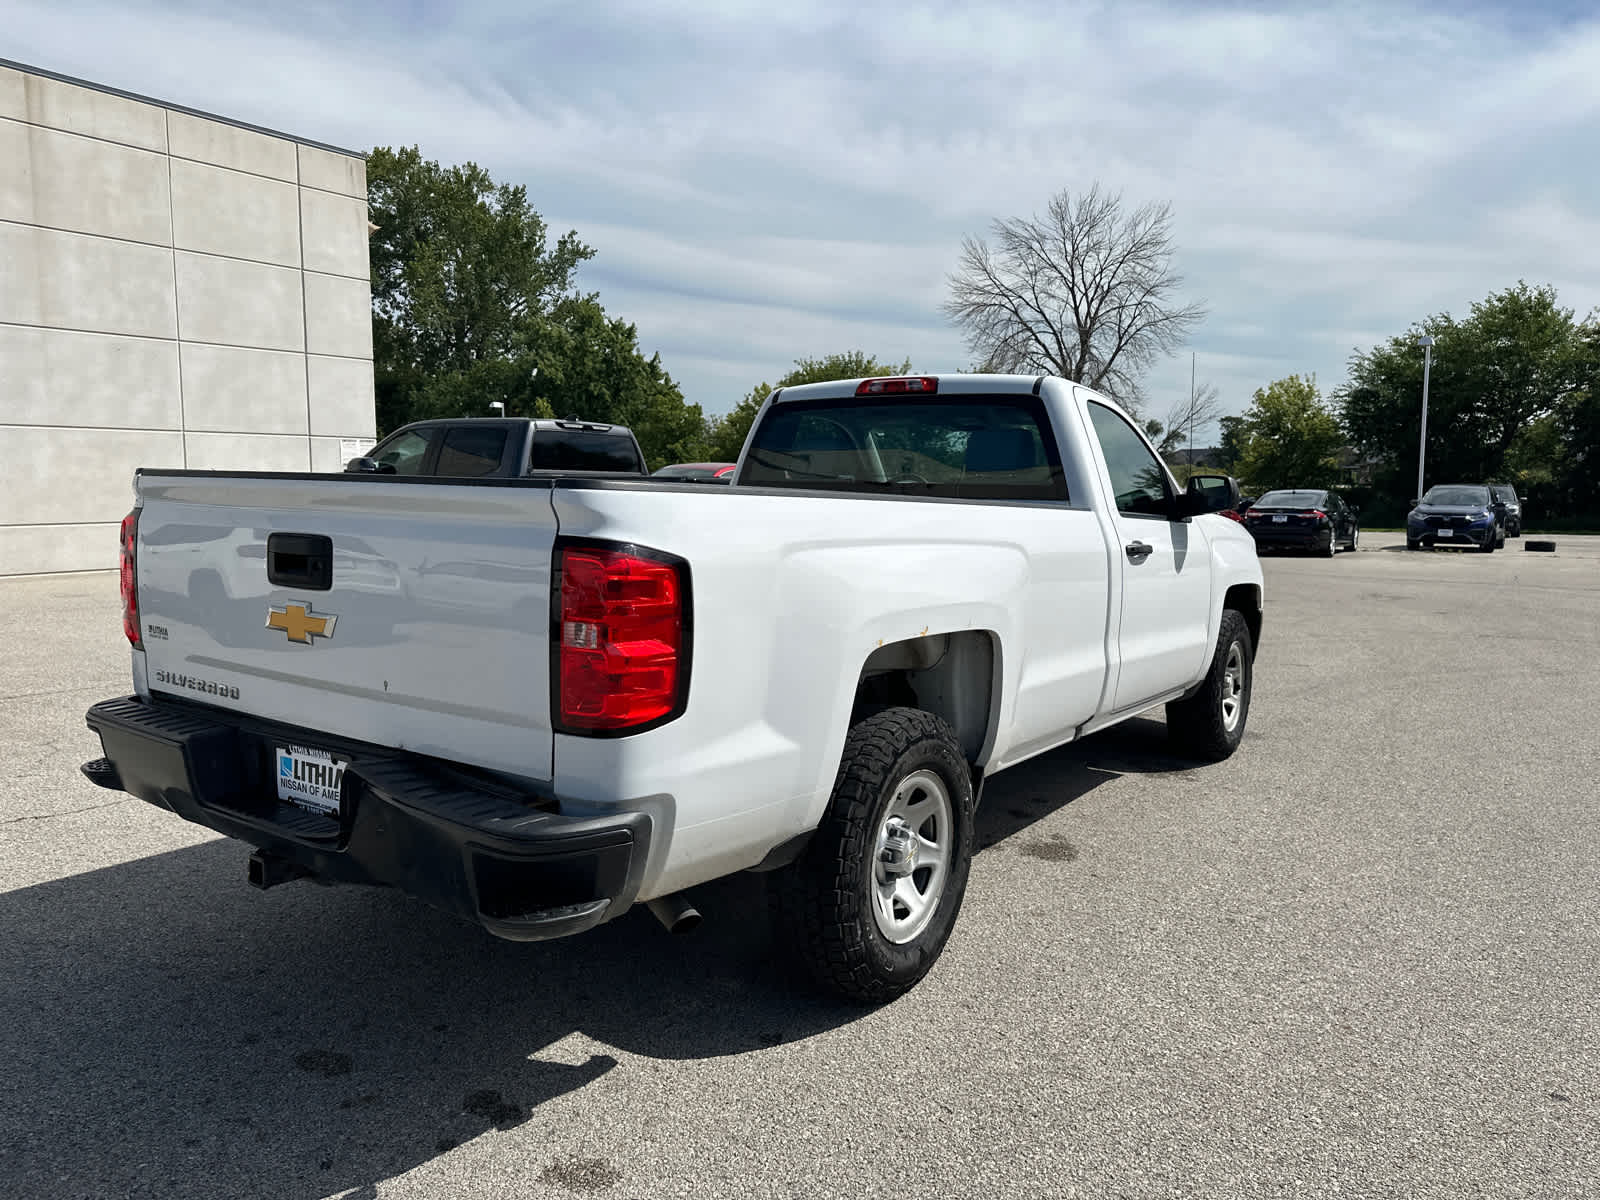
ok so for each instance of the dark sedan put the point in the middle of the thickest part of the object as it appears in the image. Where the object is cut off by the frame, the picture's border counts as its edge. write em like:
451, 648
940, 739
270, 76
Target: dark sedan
1465, 515
1303, 519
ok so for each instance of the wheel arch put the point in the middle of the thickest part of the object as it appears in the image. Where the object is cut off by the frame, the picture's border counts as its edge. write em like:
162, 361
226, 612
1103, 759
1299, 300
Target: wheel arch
954, 676
1245, 598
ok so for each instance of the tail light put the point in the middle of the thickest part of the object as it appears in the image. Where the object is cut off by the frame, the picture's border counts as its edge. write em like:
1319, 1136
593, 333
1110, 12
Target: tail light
1317, 513
622, 652
925, 385
130, 582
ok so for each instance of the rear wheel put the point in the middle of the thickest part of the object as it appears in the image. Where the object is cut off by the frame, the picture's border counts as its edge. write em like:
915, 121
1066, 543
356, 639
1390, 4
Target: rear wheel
869, 905
1355, 538
1210, 723
1333, 543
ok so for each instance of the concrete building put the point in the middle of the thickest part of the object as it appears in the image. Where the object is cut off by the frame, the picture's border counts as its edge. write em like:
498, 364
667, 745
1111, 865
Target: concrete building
176, 290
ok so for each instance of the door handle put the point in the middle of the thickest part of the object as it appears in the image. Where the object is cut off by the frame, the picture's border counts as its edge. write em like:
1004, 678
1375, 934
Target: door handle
1138, 550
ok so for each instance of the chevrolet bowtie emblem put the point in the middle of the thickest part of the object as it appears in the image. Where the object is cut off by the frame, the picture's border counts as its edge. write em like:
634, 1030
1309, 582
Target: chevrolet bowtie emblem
297, 622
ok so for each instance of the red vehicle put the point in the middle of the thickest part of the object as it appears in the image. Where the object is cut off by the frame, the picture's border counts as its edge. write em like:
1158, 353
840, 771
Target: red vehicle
706, 472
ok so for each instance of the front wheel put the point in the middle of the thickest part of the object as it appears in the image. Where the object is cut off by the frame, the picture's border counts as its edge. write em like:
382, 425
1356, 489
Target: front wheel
1210, 723
1413, 543
869, 905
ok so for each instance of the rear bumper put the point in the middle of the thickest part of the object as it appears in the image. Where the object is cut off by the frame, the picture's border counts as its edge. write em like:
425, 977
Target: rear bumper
469, 846
1268, 538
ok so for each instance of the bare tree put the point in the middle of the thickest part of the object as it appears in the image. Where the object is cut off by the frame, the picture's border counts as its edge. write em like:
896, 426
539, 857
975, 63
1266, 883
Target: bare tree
1189, 414
1087, 293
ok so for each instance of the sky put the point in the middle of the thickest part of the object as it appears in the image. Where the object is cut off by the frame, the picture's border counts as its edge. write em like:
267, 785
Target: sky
763, 183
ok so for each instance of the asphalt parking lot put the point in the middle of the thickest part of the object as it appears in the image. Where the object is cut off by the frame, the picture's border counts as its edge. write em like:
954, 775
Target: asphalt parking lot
1357, 959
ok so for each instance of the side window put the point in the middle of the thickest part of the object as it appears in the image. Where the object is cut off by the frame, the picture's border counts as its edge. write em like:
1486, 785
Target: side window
1138, 480
405, 452
471, 450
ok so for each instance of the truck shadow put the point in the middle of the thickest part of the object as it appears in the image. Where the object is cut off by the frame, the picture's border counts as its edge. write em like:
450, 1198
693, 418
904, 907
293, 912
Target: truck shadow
169, 1031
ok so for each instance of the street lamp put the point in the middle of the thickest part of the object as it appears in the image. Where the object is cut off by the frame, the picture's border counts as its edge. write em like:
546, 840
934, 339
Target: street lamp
500, 404
1426, 342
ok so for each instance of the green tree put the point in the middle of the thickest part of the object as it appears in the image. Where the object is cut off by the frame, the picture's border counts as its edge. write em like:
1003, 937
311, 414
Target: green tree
725, 435
463, 276
473, 303
1517, 358
1290, 438
1576, 459
1232, 442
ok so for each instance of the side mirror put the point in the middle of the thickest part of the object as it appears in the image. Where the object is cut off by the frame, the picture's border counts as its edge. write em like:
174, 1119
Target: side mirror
368, 466
1355, 510
1215, 492
1413, 503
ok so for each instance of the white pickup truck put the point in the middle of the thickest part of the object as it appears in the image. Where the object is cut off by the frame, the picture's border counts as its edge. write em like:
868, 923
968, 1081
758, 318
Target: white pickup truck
536, 702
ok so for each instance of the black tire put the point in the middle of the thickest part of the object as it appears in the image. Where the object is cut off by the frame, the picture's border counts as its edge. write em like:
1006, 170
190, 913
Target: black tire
824, 905
1487, 545
1206, 725
1413, 544
1355, 538
1333, 543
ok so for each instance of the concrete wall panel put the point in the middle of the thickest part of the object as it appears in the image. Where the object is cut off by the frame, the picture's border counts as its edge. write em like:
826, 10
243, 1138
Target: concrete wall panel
59, 377
226, 145
75, 476
72, 281
327, 454
154, 309
226, 389
333, 172
69, 182
40, 549
247, 452
342, 402
58, 105
13, 94
335, 233
338, 316
239, 303
218, 211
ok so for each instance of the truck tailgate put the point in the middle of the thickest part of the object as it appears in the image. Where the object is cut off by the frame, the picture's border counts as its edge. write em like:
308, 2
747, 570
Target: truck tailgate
430, 631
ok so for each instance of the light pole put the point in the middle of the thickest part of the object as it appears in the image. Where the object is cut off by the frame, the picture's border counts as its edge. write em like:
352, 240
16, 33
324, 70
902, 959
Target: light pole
500, 404
1426, 342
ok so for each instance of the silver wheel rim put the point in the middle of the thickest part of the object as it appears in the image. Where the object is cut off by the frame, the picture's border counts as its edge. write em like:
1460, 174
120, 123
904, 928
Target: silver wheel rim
911, 856
1233, 688
1355, 538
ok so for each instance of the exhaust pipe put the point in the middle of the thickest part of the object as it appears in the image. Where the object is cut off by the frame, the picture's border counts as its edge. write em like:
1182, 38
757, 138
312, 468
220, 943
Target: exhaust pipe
675, 912
266, 870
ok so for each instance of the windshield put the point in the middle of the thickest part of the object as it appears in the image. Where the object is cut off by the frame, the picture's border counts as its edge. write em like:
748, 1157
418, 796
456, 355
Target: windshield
976, 447
1458, 497
1292, 500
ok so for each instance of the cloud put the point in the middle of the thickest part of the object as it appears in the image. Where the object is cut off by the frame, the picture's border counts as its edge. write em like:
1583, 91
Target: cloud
764, 183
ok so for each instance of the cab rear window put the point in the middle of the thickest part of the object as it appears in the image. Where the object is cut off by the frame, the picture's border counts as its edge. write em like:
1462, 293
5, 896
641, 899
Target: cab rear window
579, 450
970, 447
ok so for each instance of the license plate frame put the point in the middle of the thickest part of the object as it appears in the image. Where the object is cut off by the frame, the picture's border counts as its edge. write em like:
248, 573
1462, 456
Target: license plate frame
310, 777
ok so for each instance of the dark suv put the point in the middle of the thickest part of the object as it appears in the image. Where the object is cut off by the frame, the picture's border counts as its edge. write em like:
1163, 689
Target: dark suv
1456, 514
1505, 494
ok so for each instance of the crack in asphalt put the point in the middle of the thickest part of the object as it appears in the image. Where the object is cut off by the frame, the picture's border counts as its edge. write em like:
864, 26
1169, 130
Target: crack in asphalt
66, 812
